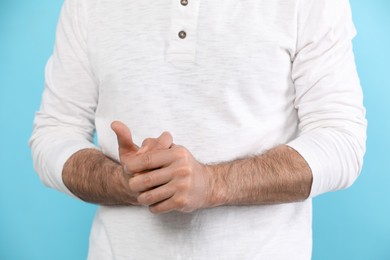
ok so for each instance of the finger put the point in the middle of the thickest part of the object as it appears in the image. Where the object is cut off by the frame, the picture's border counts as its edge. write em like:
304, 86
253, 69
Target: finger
156, 195
146, 181
125, 141
151, 160
168, 205
164, 141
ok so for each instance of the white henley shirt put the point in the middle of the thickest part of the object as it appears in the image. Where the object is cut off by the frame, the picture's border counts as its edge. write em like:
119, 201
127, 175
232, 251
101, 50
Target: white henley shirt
228, 79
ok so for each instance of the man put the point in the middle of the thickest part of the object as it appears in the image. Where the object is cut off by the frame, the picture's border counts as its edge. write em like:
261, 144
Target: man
263, 109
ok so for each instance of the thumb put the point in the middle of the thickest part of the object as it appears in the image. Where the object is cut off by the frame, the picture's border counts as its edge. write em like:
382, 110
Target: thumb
125, 141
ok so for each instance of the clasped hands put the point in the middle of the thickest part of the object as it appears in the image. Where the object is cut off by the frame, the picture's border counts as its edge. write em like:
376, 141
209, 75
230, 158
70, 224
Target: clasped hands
165, 177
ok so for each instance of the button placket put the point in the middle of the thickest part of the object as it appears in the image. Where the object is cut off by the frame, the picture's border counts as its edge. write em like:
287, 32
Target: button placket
183, 34
182, 40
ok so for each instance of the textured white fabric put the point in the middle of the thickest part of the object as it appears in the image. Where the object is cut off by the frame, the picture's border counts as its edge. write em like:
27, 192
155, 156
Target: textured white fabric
248, 76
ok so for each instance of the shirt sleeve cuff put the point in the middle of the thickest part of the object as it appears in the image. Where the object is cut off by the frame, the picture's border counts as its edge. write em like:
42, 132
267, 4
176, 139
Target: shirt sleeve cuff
306, 146
61, 153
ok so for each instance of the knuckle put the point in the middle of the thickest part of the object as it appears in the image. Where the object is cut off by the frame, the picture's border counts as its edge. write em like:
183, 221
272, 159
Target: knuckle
181, 202
181, 152
149, 198
148, 181
183, 186
146, 159
183, 171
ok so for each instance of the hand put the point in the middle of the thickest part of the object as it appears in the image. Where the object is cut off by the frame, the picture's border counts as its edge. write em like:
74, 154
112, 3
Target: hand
171, 180
128, 150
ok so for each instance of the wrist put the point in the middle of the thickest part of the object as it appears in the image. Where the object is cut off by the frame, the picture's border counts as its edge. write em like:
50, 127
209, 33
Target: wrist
218, 188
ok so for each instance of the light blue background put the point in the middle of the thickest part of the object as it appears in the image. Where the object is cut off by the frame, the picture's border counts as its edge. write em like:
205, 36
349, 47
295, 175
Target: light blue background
40, 223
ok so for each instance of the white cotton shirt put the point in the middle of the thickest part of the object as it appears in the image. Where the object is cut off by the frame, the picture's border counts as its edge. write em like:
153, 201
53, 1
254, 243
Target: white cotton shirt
249, 75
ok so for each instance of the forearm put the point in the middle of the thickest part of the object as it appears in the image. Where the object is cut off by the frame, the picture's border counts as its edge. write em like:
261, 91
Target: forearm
280, 175
95, 178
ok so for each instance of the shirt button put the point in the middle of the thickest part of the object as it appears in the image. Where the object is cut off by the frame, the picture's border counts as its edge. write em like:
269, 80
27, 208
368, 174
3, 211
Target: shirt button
184, 2
182, 34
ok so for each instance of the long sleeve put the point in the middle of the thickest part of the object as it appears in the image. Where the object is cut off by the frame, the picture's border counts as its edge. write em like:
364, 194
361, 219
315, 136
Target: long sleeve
329, 99
65, 122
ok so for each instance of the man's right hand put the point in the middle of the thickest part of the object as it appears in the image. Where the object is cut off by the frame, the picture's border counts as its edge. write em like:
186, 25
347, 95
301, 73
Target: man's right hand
128, 150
